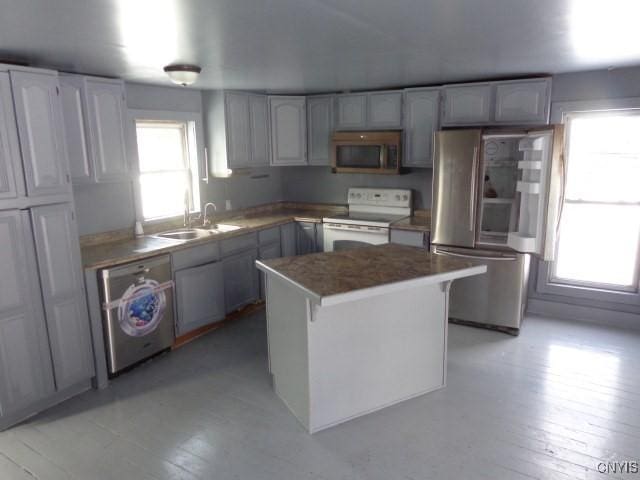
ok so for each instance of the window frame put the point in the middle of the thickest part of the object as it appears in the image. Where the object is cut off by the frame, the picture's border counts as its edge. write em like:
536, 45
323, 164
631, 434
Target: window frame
544, 284
195, 135
553, 278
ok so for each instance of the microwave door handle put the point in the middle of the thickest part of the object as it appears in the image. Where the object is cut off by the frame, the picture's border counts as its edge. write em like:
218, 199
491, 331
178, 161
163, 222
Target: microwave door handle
383, 155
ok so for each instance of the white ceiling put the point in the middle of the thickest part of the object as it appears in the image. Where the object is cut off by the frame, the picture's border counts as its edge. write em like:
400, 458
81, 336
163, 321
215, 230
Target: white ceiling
322, 45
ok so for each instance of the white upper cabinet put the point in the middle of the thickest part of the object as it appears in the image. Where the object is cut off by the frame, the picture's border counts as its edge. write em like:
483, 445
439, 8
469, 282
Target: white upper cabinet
237, 128
41, 132
319, 129
523, 101
384, 110
106, 119
514, 102
236, 107
467, 105
351, 111
369, 110
421, 108
73, 113
9, 151
259, 124
288, 130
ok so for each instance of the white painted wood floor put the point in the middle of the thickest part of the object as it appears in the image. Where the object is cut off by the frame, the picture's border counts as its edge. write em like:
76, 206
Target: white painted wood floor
550, 404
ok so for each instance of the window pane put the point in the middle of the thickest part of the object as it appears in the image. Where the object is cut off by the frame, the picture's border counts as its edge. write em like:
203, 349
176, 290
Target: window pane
598, 243
161, 146
163, 193
604, 158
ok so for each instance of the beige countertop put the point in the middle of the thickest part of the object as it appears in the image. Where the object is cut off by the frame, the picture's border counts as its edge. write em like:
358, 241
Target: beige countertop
341, 272
416, 223
129, 249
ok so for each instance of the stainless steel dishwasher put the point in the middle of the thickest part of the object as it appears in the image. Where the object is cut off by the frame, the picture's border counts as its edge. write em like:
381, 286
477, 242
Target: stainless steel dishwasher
137, 311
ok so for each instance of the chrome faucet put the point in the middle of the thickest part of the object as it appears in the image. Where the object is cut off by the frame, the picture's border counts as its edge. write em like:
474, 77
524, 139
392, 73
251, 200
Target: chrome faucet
205, 218
188, 218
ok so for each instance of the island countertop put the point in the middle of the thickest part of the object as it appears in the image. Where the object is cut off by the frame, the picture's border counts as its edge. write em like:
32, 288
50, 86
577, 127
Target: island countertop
336, 274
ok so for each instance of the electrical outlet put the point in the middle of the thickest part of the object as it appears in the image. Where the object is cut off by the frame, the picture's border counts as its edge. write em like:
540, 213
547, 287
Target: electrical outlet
228, 204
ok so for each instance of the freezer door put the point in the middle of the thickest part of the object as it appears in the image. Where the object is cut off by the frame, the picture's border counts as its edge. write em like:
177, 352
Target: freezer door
497, 298
455, 184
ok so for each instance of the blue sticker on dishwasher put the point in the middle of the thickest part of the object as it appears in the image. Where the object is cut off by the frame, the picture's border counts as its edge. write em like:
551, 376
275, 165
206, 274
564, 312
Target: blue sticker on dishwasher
141, 308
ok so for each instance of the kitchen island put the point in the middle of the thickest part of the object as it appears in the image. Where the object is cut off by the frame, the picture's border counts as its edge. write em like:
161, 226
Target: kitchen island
351, 332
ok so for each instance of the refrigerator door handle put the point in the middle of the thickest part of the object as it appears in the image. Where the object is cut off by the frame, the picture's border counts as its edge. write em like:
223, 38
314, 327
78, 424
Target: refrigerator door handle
474, 181
436, 250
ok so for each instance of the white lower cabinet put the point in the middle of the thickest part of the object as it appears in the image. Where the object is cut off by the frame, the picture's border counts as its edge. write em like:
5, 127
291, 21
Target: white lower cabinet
45, 349
411, 238
58, 254
26, 373
240, 280
265, 253
199, 296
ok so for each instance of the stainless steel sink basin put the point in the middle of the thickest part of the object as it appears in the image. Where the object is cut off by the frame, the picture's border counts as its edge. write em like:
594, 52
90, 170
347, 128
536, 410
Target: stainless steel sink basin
189, 234
197, 232
219, 228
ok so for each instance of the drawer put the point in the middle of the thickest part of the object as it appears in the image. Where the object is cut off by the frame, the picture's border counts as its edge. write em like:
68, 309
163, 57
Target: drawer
270, 235
411, 238
238, 244
198, 255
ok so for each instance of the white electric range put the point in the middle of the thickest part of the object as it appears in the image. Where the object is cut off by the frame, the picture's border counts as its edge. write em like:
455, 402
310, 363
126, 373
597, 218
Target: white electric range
371, 213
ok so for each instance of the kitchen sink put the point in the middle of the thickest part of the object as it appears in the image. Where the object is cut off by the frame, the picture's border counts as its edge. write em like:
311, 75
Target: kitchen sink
219, 228
197, 232
186, 234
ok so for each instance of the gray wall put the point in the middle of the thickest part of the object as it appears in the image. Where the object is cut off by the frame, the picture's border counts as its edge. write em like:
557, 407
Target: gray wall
318, 184
596, 85
245, 189
585, 86
111, 206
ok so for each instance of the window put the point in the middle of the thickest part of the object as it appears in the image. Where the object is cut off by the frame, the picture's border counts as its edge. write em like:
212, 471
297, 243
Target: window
168, 166
599, 237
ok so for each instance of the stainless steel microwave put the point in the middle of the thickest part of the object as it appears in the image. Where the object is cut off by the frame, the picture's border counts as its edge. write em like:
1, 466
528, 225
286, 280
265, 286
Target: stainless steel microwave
366, 152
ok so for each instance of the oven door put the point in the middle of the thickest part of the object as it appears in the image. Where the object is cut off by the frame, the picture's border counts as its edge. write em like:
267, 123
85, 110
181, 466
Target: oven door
339, 236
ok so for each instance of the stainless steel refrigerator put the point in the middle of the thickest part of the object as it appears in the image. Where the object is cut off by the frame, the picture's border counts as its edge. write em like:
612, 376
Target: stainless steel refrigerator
496, 201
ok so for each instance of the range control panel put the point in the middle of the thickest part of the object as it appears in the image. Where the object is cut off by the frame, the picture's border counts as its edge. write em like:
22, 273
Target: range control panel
382, 197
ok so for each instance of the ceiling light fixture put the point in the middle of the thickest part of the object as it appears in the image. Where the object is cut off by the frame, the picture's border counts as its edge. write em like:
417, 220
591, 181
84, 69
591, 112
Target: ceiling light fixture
183, 74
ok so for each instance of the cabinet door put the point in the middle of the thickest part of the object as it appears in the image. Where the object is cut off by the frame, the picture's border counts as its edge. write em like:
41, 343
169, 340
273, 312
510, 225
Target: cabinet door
288, 130
259, 118
420, 123
352, 111
236, 108
319, 129
9, 154
288, 239
523, 101
413, 239
240, 280
265, 253
25, 362
58, 250
41, 132
199, 297
467, 105
305, 238
73, 113
105, 110
385, 110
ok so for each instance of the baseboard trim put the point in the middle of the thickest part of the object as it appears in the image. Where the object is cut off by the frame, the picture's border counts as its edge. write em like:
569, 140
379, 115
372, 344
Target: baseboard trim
581, 313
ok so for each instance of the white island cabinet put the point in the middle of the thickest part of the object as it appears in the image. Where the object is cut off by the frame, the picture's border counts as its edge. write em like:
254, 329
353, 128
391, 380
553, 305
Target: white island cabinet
351, 332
